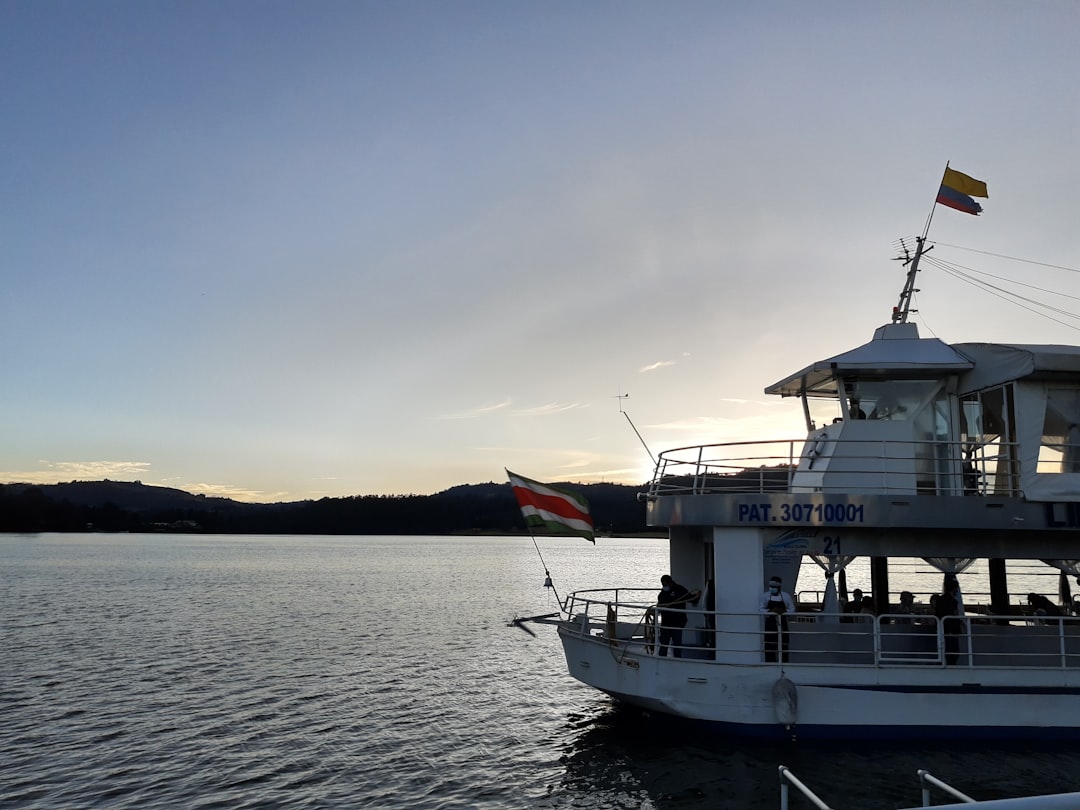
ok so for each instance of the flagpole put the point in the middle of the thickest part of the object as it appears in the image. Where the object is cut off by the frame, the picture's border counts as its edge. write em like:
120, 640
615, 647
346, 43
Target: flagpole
903, 306
547, 574
933, 208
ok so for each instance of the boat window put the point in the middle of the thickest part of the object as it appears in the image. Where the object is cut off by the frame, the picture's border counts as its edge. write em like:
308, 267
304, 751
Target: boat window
1059, 451
895, 400
987, 432
822, 411
938, 465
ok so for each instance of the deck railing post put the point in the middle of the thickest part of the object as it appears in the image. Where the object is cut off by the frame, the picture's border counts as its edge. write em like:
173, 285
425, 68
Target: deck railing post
787, 776
1061, 641
926, 779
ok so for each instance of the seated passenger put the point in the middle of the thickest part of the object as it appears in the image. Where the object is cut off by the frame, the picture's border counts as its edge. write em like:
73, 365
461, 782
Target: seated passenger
855, 604
907, 603
906, 606
1042, 606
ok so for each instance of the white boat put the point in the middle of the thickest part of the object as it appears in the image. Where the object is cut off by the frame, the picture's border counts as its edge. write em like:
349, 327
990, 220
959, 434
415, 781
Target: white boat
960, 453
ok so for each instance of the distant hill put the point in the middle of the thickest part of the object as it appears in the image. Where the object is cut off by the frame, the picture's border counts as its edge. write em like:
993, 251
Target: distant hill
79, 506
134, 495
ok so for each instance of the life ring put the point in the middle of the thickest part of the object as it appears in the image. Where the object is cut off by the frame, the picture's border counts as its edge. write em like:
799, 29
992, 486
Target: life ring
650, 630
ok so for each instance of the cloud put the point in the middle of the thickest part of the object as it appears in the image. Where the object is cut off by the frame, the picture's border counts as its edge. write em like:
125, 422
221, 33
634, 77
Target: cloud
655, 366
54, 472
616, 475
573, 465
235, 493
477, 412
764, 403
548, 409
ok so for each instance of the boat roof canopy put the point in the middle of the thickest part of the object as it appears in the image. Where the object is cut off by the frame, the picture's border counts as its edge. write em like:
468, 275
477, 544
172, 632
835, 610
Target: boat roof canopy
896, 352
999, 363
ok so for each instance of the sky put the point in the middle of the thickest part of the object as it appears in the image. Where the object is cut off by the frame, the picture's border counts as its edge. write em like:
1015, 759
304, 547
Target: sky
290, 250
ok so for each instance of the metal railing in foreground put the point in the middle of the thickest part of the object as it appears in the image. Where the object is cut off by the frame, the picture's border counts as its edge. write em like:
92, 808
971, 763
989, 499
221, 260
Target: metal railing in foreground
631, 623
786, 776
927, 780
887, 466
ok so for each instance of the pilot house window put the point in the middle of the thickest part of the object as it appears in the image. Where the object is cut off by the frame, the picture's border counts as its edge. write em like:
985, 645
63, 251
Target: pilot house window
991, 463
1059, 451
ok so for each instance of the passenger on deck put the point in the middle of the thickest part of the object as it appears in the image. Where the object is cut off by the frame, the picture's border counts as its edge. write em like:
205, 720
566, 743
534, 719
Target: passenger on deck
672, 622
776, 604
1042, 606
856, 604
948, 609
907, 604
856, 411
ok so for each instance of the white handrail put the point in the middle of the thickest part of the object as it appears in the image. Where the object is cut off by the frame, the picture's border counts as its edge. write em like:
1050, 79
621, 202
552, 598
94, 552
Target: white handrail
746, 466
928, 780
815, 638
1054, 801
787, 776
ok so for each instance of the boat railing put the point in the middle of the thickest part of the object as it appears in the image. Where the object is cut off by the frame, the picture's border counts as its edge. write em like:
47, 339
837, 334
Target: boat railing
826, 639
838, 465
974, 601
928, 781
786, 777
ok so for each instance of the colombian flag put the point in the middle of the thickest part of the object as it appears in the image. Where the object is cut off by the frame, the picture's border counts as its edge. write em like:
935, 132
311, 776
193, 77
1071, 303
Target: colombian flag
957, 190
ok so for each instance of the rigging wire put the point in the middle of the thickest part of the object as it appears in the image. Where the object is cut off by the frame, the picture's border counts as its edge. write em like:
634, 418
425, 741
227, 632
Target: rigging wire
968, 275
547, 574
956, 271
1010, 258
955, 266
1006, 295
915, 309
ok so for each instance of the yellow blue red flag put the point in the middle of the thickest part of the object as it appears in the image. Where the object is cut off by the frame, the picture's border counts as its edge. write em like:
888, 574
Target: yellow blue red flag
957, 190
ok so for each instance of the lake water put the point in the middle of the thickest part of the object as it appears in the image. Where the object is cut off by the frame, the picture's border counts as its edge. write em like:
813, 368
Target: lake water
373, 672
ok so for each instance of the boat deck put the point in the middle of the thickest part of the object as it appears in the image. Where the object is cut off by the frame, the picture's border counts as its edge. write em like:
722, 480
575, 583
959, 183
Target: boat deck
860, 640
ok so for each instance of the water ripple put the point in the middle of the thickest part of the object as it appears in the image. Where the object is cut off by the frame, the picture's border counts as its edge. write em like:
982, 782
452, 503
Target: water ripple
156, 671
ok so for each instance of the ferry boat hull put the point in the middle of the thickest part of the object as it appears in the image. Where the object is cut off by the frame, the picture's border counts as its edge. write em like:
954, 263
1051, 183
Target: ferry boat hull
831, 704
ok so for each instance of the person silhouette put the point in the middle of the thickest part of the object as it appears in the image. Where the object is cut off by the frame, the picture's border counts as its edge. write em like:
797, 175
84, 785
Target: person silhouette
672, 619
775, 605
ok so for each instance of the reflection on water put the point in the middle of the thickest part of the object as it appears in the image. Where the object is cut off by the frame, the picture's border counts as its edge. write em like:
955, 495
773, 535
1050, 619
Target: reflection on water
158, 671
620, 758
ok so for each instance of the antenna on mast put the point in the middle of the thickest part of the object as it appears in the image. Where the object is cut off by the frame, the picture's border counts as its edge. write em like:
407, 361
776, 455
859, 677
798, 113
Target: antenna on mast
621, 397
903, 307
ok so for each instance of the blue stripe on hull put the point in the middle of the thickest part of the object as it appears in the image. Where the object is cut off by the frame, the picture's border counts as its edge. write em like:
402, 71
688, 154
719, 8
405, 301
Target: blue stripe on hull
959, 689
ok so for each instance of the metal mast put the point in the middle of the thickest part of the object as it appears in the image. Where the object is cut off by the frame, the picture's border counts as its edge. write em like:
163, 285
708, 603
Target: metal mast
903, 307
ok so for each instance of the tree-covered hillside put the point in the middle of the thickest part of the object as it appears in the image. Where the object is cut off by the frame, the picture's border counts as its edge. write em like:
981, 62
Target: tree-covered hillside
131, 506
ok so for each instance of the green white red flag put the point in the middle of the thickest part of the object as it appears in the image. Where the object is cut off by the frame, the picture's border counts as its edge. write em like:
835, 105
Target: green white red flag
552, 510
